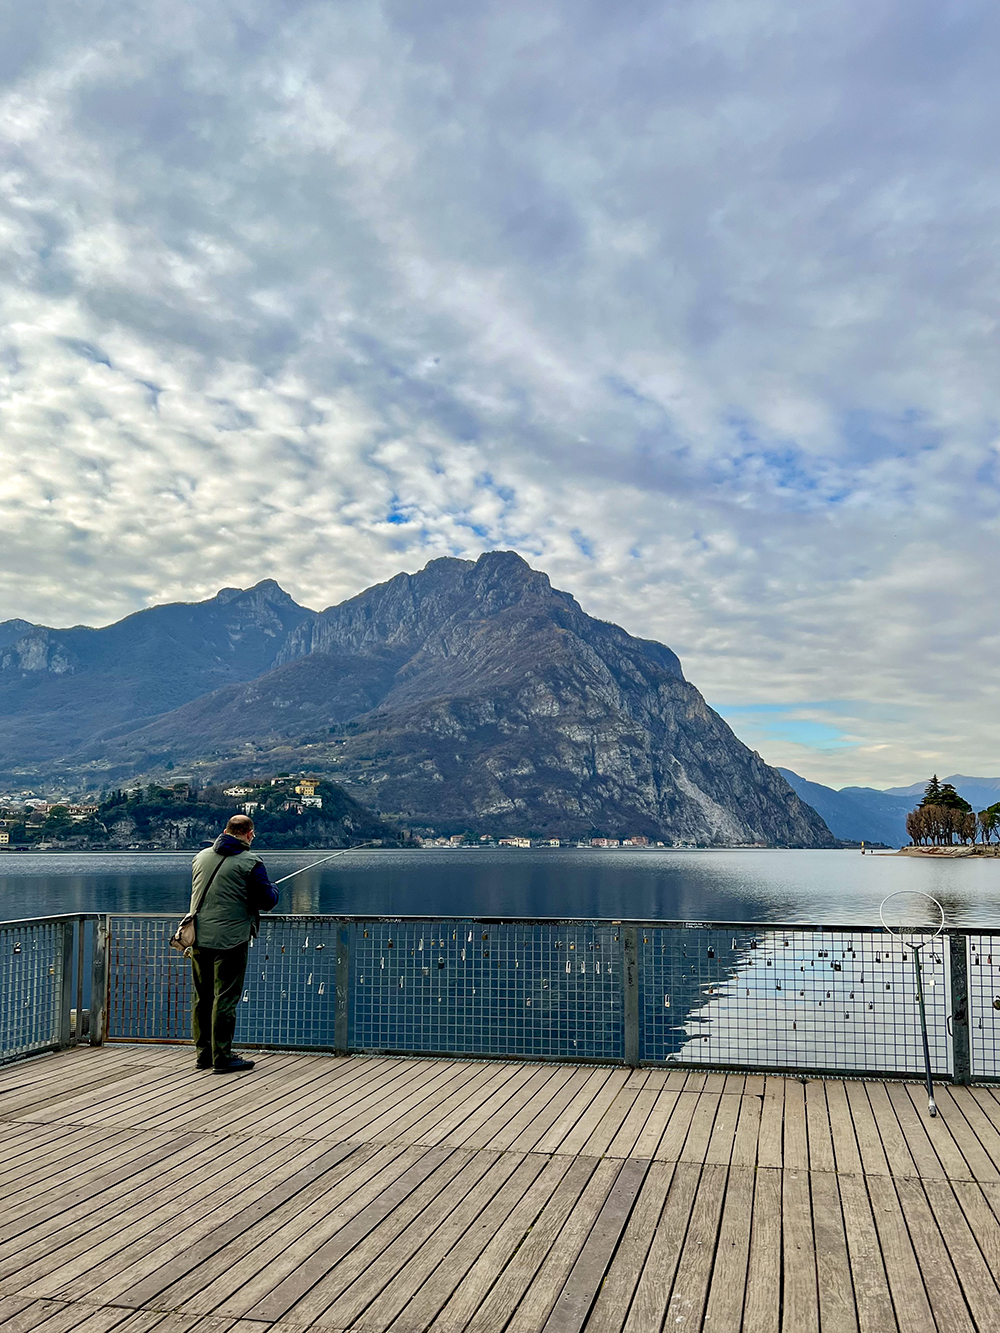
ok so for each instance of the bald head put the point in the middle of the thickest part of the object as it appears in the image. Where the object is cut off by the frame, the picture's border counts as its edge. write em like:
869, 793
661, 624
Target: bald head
240, 826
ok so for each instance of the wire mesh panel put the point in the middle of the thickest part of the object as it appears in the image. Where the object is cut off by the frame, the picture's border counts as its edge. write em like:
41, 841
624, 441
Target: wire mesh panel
984, 1004
149, 984
790, 999
31, 986
477, 988
288, 996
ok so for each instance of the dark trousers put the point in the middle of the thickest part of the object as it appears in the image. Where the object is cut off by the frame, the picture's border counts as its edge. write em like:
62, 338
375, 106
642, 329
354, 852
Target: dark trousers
218, 984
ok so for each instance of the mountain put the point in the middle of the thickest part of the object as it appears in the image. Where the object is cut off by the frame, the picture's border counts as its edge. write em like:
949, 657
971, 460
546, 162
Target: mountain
979, 792
60, 687
856, 814
469, 695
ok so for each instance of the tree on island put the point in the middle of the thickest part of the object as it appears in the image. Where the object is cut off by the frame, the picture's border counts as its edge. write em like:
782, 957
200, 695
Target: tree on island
941, 816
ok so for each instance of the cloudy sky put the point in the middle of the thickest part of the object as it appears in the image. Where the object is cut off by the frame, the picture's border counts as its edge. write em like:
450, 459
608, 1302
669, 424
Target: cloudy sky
692, 302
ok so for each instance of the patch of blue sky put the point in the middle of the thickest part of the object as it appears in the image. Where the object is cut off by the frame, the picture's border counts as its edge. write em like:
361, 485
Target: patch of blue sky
789, 724
583, 544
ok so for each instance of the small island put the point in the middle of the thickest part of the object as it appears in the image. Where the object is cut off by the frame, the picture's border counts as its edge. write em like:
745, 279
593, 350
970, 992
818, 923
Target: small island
945, 824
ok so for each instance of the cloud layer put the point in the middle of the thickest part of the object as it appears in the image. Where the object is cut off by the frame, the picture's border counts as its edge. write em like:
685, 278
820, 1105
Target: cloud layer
694, 304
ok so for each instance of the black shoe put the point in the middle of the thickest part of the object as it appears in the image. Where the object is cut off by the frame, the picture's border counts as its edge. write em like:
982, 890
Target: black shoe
233, 1066
204, 1060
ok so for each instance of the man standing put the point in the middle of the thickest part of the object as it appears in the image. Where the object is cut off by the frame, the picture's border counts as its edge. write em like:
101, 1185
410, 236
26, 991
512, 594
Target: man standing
229, 890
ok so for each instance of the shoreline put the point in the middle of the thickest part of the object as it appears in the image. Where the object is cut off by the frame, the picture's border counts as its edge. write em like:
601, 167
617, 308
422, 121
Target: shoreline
952, 853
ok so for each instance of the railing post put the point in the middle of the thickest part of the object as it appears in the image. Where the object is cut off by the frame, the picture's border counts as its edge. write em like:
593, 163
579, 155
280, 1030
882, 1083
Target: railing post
630, 936
99, 982
340, 1013
961, 1053
63, 1033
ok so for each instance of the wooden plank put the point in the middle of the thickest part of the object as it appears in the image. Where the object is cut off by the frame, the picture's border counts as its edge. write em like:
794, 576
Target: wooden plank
315, 1097
800, 1304
939, 1132
734, 1085
547, 1282
118, 1237
842, 1130
351, 1117
43, 1096
869, 1143
510, 1236
687, 1300
747, 1131
434, 1125
675, 1134
871, 1287
652, 1295
512, 1094
940, 1281
33, 1314
726, 1294
770, 1141
375, 1123
51, 1176
818, 1128
338, 1279
656, 1122
983, 1219
439, 1286
570, 1311
986, 1129
528, 1114
584, 1113
727, 1117
898, 1157
610, 1123
912, 1127
978, 1160
602, 1083
147, 1254
763, 1296
913, 1311
837, 1313
532, 1134
507, 1106
975, 1279
156, 1157
615, 1297
92, 1227
700, 1131
623, 1143
252, 1105
198, 1256
509, 1285
403, 1267
796, 1140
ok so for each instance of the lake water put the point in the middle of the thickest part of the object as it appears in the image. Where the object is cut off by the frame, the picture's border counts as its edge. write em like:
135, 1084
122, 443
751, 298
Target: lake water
831, 888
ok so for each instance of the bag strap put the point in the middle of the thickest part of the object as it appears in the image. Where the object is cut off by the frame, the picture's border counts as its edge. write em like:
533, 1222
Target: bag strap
196, 908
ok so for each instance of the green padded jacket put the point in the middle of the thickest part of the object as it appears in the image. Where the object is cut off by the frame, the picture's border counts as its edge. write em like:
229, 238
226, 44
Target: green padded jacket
230, 914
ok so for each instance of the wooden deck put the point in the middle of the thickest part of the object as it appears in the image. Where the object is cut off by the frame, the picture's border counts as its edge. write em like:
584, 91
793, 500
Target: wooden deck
410, 1195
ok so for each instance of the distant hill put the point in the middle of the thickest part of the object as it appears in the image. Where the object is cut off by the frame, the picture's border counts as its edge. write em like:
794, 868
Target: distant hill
856, 814
865, 813
979, 792
472, 694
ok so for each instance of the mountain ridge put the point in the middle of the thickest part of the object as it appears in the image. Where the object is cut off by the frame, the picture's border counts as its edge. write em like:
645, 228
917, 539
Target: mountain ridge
469, 692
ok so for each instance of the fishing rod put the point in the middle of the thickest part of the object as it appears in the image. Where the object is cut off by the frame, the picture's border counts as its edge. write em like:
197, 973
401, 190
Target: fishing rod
343, 852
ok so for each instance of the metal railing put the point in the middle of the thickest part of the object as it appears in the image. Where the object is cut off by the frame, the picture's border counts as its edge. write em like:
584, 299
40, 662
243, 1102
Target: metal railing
50, 968
810, 999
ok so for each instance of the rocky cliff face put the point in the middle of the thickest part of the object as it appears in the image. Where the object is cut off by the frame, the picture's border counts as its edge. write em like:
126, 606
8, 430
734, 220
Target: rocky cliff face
474, 695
